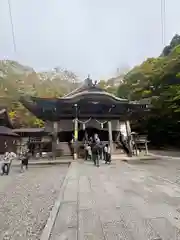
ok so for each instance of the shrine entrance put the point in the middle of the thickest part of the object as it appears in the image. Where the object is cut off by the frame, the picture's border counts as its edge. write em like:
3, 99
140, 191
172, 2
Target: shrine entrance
90, 131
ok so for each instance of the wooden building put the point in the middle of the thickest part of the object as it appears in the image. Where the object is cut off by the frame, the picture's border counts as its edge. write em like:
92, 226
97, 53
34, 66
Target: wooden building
37, 140
8, 139
87, 110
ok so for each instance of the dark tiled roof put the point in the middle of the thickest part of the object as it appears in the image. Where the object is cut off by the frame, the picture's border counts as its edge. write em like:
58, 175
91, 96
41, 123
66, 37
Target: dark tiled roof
83, 89
4, 131
28, 130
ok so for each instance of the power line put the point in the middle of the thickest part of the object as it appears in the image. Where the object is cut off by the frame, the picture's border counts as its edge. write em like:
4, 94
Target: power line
163, 22
12, 26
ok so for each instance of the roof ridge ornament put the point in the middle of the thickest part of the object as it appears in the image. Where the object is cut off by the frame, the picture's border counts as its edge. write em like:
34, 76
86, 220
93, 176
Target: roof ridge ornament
88, 81
95, 83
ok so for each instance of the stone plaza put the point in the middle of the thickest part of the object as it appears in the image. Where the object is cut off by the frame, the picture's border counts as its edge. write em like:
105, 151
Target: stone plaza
26, 200
119, 201
132, 201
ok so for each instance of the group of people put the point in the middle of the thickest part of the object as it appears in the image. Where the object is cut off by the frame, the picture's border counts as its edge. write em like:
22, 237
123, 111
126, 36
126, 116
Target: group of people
9, 156
96, 150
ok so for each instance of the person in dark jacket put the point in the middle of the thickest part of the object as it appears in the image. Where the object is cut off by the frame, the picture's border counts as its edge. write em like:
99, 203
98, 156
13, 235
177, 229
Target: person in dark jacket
95, 153
25, 160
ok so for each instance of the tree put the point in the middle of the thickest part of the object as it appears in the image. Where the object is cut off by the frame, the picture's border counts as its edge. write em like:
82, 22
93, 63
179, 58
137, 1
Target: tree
159, 80
17, 80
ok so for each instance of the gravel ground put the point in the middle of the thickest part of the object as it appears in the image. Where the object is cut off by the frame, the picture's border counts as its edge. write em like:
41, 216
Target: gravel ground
26, 200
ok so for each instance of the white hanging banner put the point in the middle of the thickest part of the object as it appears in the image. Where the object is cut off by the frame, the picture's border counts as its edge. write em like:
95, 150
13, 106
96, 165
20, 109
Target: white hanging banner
101, 123
85, 121
84, 126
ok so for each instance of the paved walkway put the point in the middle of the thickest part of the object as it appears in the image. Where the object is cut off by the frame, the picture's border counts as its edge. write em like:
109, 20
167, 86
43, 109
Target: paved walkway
44, 162
166, 154
119, 201
26, 200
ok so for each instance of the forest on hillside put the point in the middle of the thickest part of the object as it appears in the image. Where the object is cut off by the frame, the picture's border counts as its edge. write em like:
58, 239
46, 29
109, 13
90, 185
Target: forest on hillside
156, 79
17, 80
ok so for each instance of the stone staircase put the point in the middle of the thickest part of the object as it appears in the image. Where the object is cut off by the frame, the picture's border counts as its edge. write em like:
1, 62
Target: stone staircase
64, 147
117, 151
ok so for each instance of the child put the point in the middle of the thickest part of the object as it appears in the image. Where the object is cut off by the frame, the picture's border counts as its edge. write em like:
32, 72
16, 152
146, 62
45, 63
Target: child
107, 153
89, 152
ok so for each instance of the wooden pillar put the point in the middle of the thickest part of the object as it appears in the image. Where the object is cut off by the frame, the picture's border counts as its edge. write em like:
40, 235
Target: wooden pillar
146, 147
75, 139
76, 132
110, 136
54, 139
118, 129
129, 140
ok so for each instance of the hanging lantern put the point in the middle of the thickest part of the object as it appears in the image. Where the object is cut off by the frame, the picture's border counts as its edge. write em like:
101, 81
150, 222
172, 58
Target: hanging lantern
84, 126
102, 125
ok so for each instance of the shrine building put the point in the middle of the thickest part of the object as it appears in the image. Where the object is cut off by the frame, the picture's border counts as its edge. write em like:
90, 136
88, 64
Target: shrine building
83, 112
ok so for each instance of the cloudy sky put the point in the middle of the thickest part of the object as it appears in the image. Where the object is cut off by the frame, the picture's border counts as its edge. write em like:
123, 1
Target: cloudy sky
85, 36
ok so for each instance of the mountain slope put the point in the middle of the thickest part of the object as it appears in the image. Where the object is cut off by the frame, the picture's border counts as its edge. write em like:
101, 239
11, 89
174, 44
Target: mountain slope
17, 80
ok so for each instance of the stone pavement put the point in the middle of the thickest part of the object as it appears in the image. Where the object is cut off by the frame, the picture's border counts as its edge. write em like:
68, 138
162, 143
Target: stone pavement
44, 161
26, 199
165, 154
119, 201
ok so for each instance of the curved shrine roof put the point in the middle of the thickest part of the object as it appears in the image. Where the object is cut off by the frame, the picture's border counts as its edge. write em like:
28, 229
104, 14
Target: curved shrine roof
87, 101
91, 90
54, 110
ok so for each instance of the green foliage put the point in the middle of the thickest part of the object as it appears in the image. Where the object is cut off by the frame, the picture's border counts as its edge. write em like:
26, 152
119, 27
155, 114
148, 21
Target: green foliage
173, 44
17, 80
159, 80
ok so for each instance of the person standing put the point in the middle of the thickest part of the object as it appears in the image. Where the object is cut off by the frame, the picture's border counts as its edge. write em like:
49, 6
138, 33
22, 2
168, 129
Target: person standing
94, 153
86, 151
89, 152
107, 153
9, 156
96, 138
25, 160
99, 147
6, 163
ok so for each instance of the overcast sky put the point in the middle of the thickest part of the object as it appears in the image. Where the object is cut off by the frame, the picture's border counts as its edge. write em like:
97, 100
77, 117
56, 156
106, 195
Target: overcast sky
85, 36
